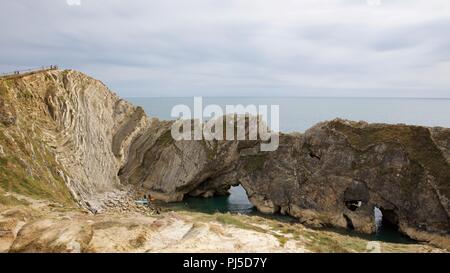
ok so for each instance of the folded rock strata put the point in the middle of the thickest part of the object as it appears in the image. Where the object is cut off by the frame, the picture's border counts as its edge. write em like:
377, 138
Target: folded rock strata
73, 119
334, 174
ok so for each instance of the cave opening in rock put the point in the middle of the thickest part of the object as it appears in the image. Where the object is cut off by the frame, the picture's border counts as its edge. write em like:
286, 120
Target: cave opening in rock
238, 200
356, 195
353, 204
387, 229
389, 219
385, 219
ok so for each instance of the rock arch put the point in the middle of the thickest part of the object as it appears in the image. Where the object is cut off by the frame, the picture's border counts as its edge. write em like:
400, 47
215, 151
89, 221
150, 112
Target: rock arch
355, 166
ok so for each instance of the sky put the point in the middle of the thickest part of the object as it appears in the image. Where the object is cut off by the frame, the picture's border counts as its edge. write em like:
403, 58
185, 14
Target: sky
151, 48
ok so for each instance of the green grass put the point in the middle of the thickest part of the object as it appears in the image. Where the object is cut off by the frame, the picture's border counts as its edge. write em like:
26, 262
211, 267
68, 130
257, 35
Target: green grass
316, 241
8, 200
31, 175
281, 239
165, 139
229, 219
255, 162
319, 242
3, 87
234, 220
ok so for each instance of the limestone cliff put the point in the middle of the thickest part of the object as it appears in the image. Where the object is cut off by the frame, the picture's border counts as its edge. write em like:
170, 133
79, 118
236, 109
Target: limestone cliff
333, 175
65, 126
66, 137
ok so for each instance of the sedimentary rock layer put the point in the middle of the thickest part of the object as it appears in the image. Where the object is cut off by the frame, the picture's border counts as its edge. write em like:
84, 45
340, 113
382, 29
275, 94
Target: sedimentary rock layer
77, 122
63, 132
334, 174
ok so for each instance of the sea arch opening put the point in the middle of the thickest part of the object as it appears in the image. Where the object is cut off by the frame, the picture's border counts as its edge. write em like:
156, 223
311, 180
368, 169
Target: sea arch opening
387, 226
234, 200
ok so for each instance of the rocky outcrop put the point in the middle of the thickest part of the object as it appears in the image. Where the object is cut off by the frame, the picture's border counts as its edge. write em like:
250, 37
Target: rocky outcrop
338, 171
170, 169
333, 175
95, 125
47, 227
80, 123
65, 136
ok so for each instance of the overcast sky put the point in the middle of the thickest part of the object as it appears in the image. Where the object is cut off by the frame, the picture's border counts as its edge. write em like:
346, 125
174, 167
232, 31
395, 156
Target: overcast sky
393, 48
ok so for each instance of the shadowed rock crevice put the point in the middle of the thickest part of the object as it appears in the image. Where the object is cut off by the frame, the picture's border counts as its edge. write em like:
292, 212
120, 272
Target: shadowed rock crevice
349, 222
356, 196
390, 218
126, 129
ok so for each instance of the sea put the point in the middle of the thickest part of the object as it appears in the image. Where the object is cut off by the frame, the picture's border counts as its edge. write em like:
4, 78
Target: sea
299, 114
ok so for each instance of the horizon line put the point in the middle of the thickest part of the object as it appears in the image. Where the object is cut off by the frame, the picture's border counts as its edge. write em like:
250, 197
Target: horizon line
304, 97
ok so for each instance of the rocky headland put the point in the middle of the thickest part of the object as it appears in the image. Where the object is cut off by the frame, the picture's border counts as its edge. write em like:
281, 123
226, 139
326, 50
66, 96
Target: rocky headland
66, 139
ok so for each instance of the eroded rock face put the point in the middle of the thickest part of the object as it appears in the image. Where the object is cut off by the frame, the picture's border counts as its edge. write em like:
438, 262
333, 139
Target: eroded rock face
169, 169
64, 130
333, 175
96, 125
73, 120
338, 171
47, 229
7, 111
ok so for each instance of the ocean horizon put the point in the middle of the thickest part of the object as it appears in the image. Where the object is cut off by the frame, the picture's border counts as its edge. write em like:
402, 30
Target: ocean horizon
297, 114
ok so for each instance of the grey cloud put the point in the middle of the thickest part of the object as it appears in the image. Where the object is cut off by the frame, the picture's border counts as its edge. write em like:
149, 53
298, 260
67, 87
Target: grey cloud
157, 48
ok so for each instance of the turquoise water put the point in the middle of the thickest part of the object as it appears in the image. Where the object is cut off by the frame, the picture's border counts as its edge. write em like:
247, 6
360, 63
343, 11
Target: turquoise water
299, 114
236, 202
